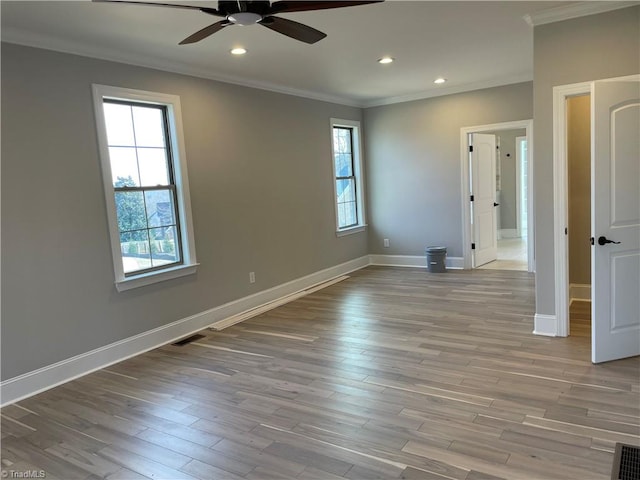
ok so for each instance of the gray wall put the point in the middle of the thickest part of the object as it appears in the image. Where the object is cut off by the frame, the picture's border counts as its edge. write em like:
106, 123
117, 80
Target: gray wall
578, 50
579, 183
413, 165
261, 191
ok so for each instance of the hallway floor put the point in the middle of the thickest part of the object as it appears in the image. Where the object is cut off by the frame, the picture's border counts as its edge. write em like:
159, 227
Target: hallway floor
512, 255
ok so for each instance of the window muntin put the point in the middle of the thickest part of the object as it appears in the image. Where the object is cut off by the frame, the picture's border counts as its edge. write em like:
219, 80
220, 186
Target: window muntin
347, 169
145, 184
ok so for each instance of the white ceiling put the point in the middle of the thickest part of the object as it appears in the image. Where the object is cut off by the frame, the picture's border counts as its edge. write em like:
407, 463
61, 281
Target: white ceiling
473, 44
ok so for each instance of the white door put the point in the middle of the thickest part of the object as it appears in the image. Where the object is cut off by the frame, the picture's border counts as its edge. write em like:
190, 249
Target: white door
615, 206
483, 191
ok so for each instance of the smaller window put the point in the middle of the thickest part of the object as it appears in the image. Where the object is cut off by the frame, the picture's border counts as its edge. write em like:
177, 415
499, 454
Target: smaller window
146, 190
347, 169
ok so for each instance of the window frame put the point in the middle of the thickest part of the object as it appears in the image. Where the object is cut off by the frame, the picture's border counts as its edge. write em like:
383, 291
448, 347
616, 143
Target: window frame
178, 165
356, 153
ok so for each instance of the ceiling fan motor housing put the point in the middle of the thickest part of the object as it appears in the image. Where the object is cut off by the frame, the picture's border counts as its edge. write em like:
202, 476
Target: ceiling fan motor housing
231, 7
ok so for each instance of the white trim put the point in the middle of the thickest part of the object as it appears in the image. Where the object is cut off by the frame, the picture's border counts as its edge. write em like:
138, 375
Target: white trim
579, 291
30, 39
358, 173
440, 91
351, 230
36, 40
466, 191
179, 158
581, 9
453, 263
560, 192
519, 142
545, 325
130, 283
242, 316
508, 233
44, 378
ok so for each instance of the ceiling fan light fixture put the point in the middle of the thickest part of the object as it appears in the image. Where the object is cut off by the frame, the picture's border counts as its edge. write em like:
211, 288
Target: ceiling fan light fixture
385, 60
245, 18
439, 80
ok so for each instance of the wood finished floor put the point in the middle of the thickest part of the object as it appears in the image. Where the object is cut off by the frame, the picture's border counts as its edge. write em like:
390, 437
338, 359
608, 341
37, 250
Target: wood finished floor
392, 373
580, 318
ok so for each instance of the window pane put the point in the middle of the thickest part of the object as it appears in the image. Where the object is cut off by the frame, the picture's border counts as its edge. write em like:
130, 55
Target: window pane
341, 215
160, 208
130, 210
345, 190
344, 165
149, 126
163, 246
124, 167
153, 167
349, 214
135, 250
342, 140
119, 124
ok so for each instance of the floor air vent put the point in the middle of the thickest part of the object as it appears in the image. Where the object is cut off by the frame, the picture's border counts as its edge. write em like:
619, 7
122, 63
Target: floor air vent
190, 339
626, 463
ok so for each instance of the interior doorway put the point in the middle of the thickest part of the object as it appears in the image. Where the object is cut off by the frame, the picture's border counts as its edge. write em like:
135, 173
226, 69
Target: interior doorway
578, 111
511, 188
615, 216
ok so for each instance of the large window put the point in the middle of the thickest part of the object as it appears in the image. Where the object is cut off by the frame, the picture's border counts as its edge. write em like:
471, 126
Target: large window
347, 166
145, 185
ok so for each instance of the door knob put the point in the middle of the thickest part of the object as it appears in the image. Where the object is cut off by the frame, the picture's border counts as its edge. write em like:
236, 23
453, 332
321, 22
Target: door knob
604, 240
495, 204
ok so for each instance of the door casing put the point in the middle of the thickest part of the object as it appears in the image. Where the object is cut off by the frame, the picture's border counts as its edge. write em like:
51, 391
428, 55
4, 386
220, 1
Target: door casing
560, 199
465, 189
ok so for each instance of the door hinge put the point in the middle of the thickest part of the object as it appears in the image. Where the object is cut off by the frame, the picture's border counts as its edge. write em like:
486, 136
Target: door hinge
473, 246
471, 198
593, 241
470, 148
565, 230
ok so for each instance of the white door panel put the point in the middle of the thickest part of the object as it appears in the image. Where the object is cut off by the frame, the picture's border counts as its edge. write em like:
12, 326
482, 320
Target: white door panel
483, 189
616, 217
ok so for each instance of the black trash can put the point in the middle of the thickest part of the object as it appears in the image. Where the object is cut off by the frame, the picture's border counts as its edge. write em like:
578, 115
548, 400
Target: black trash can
435, 259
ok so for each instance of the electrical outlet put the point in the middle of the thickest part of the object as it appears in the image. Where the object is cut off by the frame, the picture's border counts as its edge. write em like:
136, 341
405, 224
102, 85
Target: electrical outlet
386, 242
252, 277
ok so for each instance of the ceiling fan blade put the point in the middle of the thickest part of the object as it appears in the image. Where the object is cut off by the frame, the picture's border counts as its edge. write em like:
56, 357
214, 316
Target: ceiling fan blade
210, 11
205, 32
303, 6
292, 29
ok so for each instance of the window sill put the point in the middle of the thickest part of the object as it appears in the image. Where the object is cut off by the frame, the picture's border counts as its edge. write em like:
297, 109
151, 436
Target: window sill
155, 277
351, 230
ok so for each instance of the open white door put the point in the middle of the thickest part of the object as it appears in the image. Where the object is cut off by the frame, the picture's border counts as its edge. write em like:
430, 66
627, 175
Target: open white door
615, 207
483, 193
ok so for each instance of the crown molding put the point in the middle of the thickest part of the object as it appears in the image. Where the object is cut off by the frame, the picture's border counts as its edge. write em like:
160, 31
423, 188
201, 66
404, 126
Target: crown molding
582, 9
440, 92
19, 37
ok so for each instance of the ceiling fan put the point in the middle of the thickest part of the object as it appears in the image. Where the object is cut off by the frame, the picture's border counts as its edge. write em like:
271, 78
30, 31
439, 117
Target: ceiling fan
262, 12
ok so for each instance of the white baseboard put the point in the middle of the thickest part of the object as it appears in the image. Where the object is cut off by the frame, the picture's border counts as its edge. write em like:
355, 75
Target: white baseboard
242, 316
546, 325
508, 233
31, 383
454, 263
579, 291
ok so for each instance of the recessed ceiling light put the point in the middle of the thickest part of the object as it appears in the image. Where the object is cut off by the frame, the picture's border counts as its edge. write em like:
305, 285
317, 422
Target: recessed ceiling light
238, 51
440, 80
384, 60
